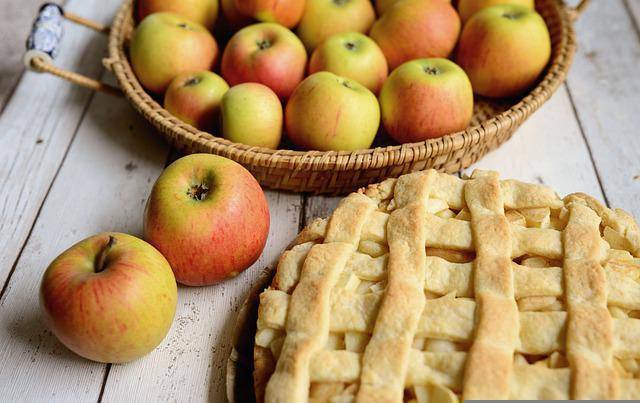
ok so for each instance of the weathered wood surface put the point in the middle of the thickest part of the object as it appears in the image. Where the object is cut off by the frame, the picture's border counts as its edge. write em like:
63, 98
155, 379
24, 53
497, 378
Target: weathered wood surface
15, 25
605, 90
73, 164
37, 127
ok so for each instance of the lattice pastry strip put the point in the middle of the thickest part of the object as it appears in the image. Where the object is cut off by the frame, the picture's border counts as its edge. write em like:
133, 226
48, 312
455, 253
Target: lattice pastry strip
434, 287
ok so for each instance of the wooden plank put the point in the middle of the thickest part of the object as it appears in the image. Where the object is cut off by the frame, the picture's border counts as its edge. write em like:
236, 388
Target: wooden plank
548, 148
15, 24
604, 85
102, 185
319, 207
634, 9
190, 363
37, 126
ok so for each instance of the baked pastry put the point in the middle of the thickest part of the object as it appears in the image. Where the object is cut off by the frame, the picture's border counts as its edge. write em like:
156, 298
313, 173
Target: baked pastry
434, 288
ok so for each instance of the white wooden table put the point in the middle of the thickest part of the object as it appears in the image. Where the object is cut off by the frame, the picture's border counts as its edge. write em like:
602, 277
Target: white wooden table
74, 163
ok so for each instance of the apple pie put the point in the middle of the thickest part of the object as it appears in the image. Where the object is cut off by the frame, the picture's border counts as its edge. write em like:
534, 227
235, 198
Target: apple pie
430, 287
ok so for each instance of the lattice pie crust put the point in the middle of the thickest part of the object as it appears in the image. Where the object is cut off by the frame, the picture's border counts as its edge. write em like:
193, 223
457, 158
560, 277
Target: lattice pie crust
518, 294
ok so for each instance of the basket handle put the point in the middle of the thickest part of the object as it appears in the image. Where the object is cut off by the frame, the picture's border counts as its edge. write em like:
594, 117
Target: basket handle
44, 41
574, 12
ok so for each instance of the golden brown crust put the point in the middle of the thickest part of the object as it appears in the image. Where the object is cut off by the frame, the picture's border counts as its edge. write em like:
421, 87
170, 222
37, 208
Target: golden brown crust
518, 295
263, 366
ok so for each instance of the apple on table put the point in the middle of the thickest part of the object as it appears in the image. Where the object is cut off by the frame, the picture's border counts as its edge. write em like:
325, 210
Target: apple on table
504, 49
165, 45
329, 112
252, 115
204, 12
208, 216
426, 98
324, 18
352, 55
265, 53
109, 298
195, 98
413, 29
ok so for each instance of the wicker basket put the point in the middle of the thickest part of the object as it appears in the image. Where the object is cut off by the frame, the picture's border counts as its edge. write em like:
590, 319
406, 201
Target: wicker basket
340, 172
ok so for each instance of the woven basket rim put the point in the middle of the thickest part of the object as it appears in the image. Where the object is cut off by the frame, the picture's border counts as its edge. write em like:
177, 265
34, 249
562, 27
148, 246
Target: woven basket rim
378, 157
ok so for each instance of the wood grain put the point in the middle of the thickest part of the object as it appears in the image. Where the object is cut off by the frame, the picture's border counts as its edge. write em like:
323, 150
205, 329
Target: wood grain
605, 85
190, 363
549, 149
102, 186
15, 24
37, 127
634, 9
108, 158
319, 207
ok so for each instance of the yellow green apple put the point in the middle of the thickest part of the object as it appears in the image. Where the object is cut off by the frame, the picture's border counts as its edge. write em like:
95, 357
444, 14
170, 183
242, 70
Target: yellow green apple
466, 8
208, 216
204, 12
329, 112
195, 98
426, 98
265, 53
283, 12
109, 298
504, 49
165, 45
252, 115
414, 29
324, 18
352, 55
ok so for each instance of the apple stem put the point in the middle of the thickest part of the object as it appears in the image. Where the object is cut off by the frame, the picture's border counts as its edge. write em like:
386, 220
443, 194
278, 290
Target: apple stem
263, 44
192, 81
102, 255
198, 192
434, 71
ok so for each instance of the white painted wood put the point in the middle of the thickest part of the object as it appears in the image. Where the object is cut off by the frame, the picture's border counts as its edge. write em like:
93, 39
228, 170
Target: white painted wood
634, 8
190, 364
37, 126
605, 88
548, 148
15, 24
319, 207
115, 158
102, 186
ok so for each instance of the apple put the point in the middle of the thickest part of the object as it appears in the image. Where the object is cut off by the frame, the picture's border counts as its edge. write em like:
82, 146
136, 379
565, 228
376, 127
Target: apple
352, 55
323, 18
252, 115
384, 5
232, 15
195, 98
466, 8
504, 49
165, 45
329, 112
414, 29
265, 53
208, 216
426, 98
204, 12
283, 12
109, 298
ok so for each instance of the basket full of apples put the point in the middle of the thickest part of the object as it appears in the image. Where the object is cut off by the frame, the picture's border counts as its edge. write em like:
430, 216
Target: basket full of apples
327, 96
